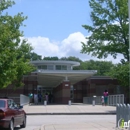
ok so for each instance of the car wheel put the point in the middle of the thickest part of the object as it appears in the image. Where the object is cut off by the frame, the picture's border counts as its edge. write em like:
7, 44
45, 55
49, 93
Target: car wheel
11, 125
24, 123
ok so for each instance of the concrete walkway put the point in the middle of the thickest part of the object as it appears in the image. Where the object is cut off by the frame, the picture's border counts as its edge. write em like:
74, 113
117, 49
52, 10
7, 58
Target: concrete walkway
73, 110
69, 109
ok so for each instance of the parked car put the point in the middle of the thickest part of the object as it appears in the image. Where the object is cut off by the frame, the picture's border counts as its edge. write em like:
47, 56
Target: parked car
11, 114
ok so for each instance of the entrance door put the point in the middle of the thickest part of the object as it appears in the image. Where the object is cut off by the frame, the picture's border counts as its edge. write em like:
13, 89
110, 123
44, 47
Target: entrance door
46, 91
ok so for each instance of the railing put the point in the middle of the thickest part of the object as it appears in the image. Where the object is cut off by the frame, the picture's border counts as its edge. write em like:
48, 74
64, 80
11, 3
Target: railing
88, 100
24, 100
112, 99
122, 115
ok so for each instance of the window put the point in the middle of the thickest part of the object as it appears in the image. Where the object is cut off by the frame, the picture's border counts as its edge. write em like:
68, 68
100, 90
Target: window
44, 67
61, 67
69, 68
64, 67
50, 67
11, 104
58, 67
39, 67
2, 103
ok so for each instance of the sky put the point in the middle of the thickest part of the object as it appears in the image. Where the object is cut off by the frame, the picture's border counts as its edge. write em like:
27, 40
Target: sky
54, 27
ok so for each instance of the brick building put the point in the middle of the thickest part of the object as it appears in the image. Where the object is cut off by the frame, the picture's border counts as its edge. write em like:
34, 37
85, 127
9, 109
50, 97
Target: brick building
59, 78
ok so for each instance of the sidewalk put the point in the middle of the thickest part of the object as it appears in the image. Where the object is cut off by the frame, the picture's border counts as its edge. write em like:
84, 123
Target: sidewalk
69, 109
74, 109
80, 126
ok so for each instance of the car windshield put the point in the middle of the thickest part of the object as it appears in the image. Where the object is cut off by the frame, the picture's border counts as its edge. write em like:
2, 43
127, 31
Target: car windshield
2, 103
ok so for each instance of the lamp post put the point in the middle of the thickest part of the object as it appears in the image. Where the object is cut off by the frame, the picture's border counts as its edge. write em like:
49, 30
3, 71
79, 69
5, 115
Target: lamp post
129, 48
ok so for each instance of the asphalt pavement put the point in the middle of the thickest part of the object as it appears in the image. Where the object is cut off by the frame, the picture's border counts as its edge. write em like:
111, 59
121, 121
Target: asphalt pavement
73, 109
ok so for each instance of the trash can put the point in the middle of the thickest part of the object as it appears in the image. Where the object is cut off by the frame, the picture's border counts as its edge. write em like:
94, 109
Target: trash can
93, 102
45, 103
69, 102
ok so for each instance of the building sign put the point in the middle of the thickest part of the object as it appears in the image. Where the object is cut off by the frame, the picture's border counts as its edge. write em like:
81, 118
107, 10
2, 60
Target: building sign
66, 84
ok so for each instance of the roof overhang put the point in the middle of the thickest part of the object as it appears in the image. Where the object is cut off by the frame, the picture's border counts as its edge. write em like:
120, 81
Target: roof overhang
52, 78
57, 62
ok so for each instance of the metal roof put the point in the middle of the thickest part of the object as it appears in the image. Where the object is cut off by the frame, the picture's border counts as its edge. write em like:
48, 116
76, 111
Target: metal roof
52, 78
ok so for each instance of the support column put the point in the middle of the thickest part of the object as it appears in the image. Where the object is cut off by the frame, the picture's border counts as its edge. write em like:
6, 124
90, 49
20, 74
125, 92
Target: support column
65, 92
62, 93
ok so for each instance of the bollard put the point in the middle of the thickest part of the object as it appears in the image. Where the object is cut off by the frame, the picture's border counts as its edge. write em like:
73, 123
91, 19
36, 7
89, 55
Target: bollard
93, 103
69, 103
45, 103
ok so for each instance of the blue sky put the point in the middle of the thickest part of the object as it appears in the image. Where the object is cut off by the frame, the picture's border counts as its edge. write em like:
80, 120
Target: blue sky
54, 27
55, 19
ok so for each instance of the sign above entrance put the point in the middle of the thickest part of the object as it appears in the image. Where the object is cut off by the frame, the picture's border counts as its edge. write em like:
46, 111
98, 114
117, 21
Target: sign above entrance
66, 84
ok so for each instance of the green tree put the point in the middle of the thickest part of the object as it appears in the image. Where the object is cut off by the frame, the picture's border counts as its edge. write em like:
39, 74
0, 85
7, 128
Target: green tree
51, 58
72, 58
121, 72
109, 29
102, 67
13, 51
35, 56
109, 34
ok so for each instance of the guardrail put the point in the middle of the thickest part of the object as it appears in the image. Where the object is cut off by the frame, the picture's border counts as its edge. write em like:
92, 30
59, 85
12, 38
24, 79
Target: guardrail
122, 115
112, 100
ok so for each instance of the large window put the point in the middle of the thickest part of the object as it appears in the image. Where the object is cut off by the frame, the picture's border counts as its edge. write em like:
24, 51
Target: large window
64, 67
44, 67
61, 67
50, 67
58, 67
39, 67
69, 68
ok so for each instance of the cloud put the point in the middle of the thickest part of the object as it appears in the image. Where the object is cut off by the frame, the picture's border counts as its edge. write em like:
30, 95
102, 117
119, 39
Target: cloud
70, 46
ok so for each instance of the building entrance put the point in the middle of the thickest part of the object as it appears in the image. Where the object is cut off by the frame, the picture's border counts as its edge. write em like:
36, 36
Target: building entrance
45, 94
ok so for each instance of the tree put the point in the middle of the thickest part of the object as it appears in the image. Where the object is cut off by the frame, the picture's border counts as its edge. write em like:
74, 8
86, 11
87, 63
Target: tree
109, 31
102, 67
14, 52
72, 58
121, 72
51, 58
35, 56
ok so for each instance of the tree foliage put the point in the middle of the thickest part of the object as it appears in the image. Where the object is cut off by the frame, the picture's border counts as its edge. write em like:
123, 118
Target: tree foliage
109, 29
34, 56
102, 67
121, 72
13, 51
51, 58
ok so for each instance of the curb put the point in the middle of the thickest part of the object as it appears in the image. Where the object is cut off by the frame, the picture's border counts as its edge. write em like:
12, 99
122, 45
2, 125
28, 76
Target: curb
114, 113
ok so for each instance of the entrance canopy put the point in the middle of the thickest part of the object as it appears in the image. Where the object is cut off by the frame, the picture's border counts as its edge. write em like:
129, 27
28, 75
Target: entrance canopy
49, 78
51, 73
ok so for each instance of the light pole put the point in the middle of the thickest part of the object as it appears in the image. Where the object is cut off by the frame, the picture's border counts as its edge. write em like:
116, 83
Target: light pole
129, 45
